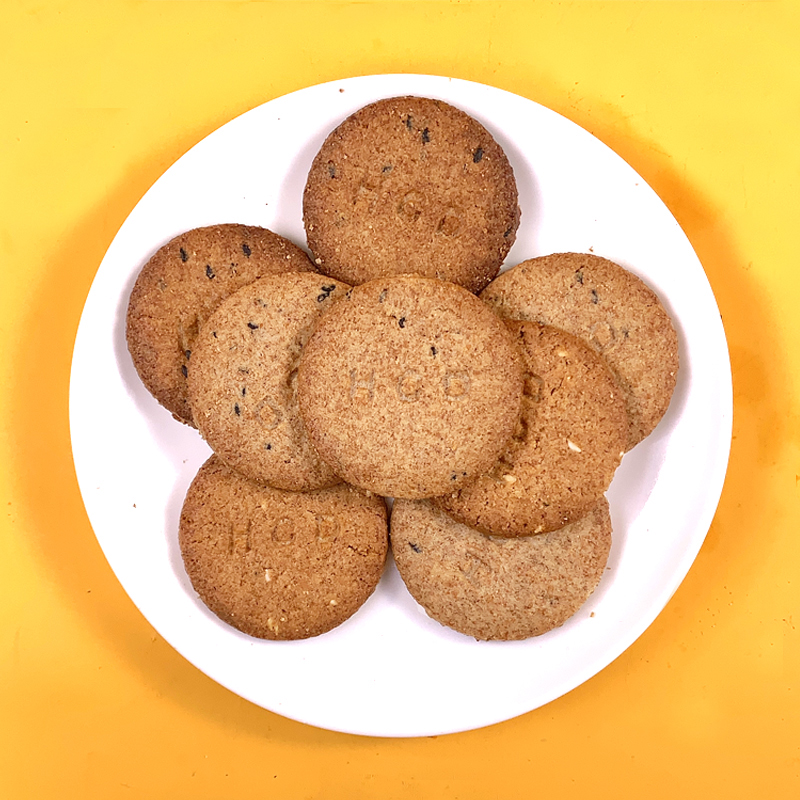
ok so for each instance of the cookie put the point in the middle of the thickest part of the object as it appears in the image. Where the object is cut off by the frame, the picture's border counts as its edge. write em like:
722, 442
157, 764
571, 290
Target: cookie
183, 282
277, 564
612, 309
410, 386
242, 379
569, 442
411, 184
494, 588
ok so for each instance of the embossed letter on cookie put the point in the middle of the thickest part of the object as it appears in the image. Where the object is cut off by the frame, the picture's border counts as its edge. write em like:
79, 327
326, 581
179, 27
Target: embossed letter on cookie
410, 386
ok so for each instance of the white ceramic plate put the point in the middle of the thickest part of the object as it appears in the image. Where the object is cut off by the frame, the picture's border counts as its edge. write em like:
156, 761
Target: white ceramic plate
389, 670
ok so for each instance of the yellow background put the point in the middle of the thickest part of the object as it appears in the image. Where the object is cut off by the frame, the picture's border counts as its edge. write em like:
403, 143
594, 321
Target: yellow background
98, 99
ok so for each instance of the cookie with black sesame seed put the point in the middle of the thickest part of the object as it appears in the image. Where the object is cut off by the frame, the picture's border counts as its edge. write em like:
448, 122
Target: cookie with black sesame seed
242, 379
411, 184
495, 588
277, 564
612, 309
566, 448
181, 284
409, 386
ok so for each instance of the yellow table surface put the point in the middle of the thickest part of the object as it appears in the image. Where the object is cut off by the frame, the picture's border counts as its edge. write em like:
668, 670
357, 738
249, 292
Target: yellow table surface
98, 99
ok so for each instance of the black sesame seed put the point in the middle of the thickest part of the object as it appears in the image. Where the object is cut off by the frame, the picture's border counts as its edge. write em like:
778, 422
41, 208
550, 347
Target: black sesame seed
184, 256
477, 155
209, 272
252, 326
433, 351
188, 354
268, 446
326, 292
426, 136
387, 168
409, 122
595, 297
402, 322
237, 410
579, 276
415, 547
185, 371
246, 249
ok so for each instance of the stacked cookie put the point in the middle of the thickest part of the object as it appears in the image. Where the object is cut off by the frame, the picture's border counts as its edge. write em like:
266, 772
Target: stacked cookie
517, 551
398, 363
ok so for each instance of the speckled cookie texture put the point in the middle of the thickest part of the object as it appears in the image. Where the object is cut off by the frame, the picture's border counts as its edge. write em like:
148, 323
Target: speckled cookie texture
278, 564
410, 386
179, 287
411, 184
566, 448
495, 588
611, 308
242, 379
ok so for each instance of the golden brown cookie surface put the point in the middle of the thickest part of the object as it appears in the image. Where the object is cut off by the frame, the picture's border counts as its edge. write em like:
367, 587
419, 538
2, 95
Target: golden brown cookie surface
179, 287
242, 379
277, 564
409, 386
410, 184
612, 309
495, 588
565, 450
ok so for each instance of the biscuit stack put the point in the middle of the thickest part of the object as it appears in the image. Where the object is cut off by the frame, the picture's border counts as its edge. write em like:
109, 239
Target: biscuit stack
493, 408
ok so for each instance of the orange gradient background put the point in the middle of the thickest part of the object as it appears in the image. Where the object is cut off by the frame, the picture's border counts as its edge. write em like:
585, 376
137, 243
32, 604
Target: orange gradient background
97, 99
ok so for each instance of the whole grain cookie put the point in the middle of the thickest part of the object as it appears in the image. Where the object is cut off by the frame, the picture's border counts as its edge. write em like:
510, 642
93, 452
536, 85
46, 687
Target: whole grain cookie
410, 386
611, 308
494, 588
565, 450
410, 184
183, 282
242, 379
277, 564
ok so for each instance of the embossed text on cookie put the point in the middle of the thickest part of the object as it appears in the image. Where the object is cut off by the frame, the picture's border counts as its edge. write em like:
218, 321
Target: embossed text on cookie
409, 386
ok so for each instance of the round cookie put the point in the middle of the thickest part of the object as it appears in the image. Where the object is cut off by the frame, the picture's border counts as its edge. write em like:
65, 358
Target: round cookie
411, 184
494, 588
277, 564
183, 282
565, 450
410, 386
242, 379
613, 310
